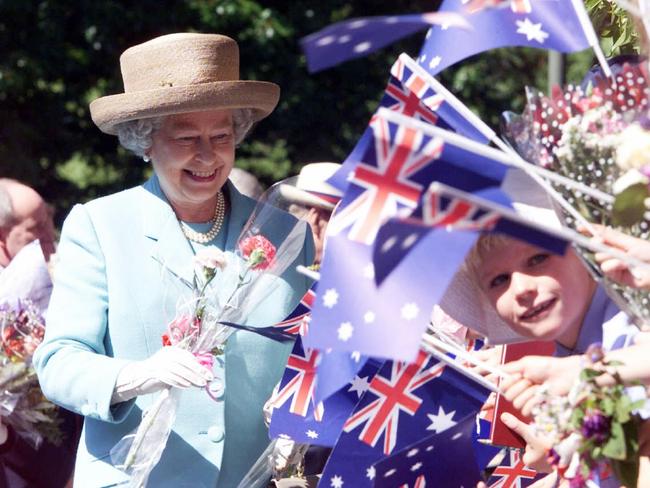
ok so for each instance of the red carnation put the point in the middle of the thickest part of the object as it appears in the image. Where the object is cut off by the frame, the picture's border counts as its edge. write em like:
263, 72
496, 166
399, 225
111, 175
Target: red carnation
258, 251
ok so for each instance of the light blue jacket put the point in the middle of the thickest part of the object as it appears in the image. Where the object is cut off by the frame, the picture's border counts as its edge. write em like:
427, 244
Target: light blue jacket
123, 264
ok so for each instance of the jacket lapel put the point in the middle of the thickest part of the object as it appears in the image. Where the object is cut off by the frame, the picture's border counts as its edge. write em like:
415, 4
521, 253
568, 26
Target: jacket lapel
169, 247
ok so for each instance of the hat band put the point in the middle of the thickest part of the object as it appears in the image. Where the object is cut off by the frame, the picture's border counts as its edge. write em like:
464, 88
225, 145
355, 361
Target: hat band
333, 199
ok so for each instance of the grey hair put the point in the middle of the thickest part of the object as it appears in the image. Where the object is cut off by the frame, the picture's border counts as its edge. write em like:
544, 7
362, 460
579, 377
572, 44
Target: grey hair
136, 135
7, 218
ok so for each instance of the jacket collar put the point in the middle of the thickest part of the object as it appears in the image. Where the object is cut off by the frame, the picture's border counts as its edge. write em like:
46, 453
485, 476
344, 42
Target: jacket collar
171, 249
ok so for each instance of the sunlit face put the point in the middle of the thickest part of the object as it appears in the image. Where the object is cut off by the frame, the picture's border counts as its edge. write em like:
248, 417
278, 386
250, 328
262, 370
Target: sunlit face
33, 220
193, 154
541, 295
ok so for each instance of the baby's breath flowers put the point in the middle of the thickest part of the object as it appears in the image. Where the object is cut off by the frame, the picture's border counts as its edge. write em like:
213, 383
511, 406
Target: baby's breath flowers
592, 428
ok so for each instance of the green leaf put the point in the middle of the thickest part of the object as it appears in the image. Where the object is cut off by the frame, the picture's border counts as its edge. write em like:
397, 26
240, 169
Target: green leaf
615, 447
629, 205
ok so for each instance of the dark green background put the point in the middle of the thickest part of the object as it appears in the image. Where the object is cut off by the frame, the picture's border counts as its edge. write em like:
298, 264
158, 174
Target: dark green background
56, 56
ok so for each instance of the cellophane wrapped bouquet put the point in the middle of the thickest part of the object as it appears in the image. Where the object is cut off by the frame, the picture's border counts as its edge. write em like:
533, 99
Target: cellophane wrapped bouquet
597, 136
22, 404
203, 323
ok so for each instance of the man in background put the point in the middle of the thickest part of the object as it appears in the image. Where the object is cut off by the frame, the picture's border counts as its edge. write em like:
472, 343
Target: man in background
24, 218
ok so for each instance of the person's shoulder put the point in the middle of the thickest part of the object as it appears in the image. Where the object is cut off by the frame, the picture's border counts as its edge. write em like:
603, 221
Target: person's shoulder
114, 201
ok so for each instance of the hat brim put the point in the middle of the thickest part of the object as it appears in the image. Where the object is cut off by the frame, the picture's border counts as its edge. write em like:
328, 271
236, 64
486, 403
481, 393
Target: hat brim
109, 111
302, 197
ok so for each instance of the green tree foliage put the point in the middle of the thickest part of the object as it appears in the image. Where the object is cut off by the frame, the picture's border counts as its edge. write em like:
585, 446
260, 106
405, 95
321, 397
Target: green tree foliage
58, 55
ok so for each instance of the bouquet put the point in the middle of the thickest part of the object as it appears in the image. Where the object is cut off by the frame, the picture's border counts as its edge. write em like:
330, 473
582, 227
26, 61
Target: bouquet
203, 323
22, 404
591, 136
592, 429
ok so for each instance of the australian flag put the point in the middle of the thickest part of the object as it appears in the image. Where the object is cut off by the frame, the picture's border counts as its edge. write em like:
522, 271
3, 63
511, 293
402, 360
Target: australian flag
513, 473
445, 459
351, 312
358, 37
403, 401
442, 210
299, 415
548, 24
412, 92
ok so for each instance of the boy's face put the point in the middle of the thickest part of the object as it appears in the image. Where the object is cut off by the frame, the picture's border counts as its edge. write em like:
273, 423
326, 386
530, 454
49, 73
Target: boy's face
540, 295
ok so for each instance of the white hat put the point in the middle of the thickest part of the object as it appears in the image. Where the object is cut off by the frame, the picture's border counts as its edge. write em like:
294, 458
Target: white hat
311, 188
463, 300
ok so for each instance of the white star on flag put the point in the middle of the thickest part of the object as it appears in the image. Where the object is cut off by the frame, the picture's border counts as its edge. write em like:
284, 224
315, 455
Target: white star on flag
533, 32
412, 452
369, 317
359, 385
416, 466
370, 473
336, 481
345, 331
442, 421
330, 298
409, 311
369, 271
435, 61
355, 356
312, 434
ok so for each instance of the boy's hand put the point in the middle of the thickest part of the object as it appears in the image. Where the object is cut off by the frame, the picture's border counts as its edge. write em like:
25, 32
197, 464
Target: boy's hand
537, 447
529, 373
616, 269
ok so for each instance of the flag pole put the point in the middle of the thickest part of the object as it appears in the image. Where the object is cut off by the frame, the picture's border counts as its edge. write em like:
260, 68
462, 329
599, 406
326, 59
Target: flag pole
588, 29
508, 157
489, 134
309, 273
563, 232
443, 358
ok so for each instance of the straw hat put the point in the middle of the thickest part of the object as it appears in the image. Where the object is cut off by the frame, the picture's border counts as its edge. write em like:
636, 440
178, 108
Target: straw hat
311, 188
463, 301
181, 73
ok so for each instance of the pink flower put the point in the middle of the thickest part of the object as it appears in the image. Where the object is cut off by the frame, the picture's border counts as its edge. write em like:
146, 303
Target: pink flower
205, 359
258, 251
211, 258
181, 327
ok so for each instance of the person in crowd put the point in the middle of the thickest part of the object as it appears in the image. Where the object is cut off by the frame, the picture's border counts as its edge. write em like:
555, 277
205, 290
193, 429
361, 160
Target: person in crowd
24, 218
514, 291
313, 199
125, 260
246, 183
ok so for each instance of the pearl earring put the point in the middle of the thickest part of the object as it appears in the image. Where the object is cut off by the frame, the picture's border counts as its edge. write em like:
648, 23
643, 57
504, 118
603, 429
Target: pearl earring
146, 158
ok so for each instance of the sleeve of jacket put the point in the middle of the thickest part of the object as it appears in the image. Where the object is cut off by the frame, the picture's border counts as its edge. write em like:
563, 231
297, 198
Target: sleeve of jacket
73, 368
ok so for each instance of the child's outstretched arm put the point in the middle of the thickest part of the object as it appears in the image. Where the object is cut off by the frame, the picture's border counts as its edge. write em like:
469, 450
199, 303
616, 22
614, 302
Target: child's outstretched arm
616, 269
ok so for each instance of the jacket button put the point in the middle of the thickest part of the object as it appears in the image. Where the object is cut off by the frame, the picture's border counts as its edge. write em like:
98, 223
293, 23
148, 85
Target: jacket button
216, 433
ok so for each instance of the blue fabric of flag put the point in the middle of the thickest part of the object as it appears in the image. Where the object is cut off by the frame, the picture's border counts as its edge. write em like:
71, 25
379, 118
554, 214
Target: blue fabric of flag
547, 24
403, 402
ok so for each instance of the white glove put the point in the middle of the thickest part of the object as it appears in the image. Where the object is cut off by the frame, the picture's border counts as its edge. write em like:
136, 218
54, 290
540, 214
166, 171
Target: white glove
170, 366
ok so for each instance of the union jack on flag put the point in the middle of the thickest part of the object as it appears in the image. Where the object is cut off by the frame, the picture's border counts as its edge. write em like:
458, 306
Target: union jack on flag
394, 394
512, 473
297, 322
300, 388
384, 179
443, 211
409, 94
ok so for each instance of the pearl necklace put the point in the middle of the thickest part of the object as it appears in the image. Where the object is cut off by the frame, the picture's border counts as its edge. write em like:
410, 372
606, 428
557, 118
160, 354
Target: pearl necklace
217, 222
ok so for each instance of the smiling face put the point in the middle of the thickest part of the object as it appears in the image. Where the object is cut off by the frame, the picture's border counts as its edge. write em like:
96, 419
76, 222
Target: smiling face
192, 154
540, 295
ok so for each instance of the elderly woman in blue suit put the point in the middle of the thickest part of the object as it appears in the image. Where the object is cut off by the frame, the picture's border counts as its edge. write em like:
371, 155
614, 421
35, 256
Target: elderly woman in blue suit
125, 261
